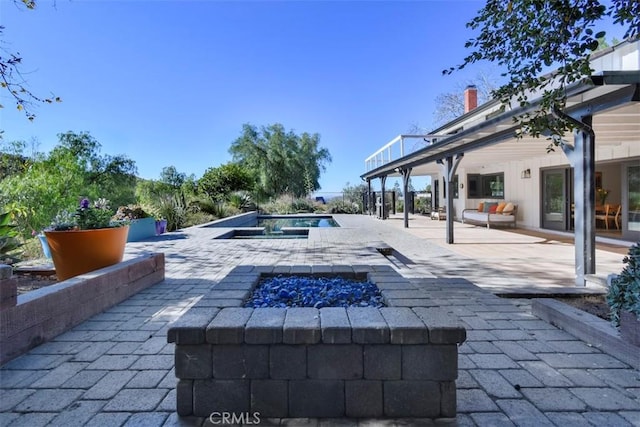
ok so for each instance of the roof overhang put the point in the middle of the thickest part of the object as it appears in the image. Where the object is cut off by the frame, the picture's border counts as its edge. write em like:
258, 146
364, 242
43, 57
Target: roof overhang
610, 96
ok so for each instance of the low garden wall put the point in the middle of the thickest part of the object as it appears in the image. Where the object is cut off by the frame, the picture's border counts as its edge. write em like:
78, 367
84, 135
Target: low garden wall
591, 329
359, 362
42, 314
248, 219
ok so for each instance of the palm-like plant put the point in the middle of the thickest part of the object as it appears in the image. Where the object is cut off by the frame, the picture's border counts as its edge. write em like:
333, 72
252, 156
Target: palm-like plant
8, 239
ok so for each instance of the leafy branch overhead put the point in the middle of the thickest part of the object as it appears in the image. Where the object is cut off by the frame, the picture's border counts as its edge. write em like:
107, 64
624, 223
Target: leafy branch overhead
12, 79
526, 37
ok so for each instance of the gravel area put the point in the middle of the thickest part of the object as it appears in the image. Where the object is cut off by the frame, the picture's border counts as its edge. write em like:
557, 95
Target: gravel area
593, 304
31, 282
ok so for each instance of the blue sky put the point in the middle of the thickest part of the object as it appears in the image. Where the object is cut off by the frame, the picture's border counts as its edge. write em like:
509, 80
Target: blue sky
172, 82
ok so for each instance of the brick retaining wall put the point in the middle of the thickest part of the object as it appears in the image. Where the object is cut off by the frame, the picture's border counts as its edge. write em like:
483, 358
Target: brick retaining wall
8, 287
42, 314
307, 362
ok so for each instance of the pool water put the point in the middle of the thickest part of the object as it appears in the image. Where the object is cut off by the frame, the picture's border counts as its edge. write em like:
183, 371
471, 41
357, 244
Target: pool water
281, 227
292, 234
275, 224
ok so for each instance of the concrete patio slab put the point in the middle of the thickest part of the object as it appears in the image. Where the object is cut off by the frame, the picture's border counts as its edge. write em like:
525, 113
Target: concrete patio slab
114, 369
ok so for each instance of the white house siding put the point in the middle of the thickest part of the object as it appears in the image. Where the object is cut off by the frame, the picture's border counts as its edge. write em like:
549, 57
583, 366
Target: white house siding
526, 191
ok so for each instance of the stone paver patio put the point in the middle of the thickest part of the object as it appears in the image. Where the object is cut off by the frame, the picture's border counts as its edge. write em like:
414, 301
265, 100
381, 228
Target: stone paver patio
117, 368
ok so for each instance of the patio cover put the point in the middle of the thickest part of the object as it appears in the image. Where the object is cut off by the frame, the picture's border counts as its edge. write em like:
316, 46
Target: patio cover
605, 106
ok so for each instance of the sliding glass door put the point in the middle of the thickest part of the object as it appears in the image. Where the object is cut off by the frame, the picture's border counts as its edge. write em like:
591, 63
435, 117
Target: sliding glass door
631, 206
556, 200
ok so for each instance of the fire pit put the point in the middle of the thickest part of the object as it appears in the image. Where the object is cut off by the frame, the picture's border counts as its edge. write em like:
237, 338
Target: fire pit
394, 361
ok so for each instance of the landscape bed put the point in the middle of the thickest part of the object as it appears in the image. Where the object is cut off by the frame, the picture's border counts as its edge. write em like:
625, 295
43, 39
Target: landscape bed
394, 361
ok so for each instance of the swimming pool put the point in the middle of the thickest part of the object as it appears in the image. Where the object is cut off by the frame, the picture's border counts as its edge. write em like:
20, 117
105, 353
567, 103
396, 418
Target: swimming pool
278, 222
281, 227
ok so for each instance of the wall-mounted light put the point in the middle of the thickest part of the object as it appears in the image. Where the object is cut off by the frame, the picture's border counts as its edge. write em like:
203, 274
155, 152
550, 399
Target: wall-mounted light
461, 186
525, 174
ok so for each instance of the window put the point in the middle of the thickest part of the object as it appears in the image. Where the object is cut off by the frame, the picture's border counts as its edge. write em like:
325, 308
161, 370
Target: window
485, 186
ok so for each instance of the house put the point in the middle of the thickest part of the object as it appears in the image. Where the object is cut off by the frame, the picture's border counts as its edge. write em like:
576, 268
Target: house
478, 158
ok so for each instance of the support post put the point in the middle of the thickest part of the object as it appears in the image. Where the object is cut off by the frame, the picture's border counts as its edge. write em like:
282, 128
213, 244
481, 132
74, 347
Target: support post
374, 197
369, 196
383, 208
412, 203
393, 202
406, 175
448, 168
581, 157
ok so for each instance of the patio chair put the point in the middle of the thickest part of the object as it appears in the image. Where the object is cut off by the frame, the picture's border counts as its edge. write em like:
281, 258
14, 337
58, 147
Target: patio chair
603, 215
614, 214
439, 214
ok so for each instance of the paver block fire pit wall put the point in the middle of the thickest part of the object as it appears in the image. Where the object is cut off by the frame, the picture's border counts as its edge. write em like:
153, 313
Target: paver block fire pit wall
394, 361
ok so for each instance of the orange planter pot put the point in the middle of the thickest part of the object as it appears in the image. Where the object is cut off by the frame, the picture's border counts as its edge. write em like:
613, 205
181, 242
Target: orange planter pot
77, 252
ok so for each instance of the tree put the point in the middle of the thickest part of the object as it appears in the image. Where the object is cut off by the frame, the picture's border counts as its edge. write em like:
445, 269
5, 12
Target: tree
11, 78
172, 197
171, 177
397, 189
42, 189
73, 169
12, 159
450, 105
354, 193
281, 161
525, 37
171, 183
218, 183
111, 177
150, 191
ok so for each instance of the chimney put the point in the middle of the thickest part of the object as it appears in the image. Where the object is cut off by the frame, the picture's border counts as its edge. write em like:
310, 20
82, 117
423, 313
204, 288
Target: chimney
470, 98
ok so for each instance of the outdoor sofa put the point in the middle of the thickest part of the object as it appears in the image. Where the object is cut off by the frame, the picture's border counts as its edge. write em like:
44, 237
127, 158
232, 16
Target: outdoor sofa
491, 214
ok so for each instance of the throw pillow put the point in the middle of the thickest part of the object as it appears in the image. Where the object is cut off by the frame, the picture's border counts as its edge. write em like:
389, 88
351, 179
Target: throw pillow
501, 206
493, 209
480, 206
508, 209
487, 206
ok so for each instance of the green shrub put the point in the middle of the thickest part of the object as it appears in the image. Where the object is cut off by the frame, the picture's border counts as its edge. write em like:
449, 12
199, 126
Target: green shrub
241, 201
130, 212
197, 218
31, 249
303, 206
340, 207
281, 205
287, 204
624, 293
9, 242
204, 205
174, 211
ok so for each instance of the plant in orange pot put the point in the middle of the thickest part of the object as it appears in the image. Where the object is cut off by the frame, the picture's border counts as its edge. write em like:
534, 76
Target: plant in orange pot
86, 240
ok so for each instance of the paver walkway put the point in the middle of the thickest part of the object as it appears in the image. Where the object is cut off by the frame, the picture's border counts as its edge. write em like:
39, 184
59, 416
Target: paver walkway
116, 368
